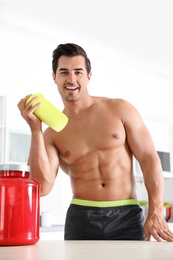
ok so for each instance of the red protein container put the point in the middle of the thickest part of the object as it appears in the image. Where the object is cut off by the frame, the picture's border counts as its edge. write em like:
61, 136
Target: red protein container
19, 206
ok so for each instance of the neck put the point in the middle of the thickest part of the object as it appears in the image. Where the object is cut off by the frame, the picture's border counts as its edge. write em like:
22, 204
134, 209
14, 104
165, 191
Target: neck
74, 108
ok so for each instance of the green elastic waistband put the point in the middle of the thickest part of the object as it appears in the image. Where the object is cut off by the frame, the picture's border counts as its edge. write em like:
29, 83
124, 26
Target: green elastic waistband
104, 204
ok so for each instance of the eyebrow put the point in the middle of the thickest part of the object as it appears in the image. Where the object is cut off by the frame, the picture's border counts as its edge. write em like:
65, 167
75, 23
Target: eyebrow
62, 69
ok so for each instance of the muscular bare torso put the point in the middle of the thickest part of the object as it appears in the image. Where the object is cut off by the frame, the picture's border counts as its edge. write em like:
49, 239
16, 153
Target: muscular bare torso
94, 152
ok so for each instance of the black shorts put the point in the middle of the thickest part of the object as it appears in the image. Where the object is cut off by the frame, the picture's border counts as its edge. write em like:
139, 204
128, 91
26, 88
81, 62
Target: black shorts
100, 221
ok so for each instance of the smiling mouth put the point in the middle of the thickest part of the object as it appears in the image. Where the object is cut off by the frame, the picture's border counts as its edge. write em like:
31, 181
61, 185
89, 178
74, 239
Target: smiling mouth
72, 88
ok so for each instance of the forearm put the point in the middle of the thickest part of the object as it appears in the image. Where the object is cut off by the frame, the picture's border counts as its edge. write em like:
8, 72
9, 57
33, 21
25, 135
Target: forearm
39, 162
154, 183
155, 224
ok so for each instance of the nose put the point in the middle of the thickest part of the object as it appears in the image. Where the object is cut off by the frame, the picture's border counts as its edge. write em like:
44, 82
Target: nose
71, 78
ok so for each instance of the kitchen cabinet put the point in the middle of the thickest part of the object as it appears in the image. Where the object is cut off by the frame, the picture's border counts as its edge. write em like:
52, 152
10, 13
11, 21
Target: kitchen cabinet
14, 135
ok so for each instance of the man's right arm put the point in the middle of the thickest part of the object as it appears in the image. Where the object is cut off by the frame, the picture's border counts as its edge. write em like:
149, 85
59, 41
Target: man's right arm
43, 157
43, 161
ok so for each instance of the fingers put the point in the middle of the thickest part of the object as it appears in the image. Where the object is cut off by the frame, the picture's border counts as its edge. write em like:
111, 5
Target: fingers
159, 234
166, 234
27, 111
147, 236
22, 104
30, 106
23, 100
156, 235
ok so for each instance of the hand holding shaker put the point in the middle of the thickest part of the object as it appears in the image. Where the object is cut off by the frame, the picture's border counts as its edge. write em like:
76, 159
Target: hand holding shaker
48, 113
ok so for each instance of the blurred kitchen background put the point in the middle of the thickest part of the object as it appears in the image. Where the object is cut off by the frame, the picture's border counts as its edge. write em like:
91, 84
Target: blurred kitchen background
130, 45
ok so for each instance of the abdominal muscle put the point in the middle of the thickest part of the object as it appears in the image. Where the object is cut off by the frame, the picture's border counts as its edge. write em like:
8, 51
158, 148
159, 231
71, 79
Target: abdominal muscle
102, 176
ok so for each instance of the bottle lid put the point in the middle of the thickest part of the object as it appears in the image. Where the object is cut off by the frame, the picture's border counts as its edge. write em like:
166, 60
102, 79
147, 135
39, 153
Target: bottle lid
14, 167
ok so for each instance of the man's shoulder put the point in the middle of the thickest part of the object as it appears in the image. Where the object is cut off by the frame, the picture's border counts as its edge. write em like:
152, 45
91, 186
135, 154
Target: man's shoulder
107, 99
119, 104
111, 101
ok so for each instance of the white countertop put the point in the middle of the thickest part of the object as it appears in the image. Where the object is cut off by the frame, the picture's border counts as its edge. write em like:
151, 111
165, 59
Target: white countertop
90, 250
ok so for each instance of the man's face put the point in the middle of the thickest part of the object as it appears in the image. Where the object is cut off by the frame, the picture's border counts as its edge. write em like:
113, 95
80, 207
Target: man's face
71, 77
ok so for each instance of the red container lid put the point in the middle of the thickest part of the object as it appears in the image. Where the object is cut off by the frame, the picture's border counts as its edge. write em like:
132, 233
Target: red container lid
14, 170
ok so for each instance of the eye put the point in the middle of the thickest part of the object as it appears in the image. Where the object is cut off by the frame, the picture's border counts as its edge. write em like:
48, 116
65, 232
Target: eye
78, 72
63, 72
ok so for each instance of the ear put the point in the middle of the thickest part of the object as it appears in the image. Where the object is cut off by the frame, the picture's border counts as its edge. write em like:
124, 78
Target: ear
89, 76
54, 77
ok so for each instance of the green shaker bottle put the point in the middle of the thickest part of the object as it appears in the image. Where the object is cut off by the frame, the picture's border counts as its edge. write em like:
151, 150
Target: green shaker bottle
48, 113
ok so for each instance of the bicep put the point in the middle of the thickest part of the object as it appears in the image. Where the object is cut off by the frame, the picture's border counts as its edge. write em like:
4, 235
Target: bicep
138, 137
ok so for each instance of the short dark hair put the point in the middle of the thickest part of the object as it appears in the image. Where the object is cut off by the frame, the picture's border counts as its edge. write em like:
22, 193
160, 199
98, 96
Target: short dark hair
70, 50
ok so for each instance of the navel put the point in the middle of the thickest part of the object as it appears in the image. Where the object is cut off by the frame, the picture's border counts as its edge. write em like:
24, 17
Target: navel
103, 185
67, 154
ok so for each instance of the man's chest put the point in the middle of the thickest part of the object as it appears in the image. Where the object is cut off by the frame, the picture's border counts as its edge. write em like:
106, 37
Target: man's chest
82, 137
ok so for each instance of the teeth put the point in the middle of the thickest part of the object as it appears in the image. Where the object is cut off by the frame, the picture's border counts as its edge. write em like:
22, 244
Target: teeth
71, 88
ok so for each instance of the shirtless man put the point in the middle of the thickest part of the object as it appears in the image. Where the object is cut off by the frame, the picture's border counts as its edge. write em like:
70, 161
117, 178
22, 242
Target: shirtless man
95, 149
